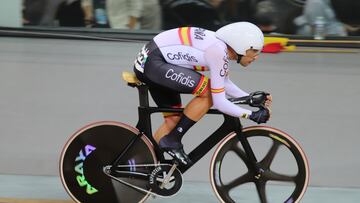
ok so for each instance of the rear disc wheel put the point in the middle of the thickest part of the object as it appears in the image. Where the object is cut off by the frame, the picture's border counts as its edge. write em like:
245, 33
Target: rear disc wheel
98, 145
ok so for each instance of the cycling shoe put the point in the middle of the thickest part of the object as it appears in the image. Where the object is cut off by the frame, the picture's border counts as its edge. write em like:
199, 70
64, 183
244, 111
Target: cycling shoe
179, 155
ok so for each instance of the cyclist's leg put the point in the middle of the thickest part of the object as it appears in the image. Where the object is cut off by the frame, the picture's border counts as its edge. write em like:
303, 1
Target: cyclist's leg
168, 99
164, 97
168, 124
166, 82
171, 144
199, 105
193, 112
150, 58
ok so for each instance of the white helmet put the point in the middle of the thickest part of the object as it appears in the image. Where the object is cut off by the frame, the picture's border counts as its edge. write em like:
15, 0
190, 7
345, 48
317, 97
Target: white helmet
241, 36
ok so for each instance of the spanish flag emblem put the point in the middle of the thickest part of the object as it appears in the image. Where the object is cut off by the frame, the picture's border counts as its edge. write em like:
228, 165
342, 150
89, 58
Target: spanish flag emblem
184, 35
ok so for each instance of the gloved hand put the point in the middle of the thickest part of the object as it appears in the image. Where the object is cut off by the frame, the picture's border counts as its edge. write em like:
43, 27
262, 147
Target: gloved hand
260, 116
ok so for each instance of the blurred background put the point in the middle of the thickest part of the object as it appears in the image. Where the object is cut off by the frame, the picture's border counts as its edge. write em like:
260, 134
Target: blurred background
298, 17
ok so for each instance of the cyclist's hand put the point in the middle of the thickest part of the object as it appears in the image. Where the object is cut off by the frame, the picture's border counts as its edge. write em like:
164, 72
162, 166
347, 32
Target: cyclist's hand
260, 116
268, 101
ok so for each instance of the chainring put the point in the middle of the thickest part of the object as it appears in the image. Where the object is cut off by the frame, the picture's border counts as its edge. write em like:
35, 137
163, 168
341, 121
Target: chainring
158, 176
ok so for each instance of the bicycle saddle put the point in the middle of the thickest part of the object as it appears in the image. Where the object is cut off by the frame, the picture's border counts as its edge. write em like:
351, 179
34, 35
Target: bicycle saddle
131, 79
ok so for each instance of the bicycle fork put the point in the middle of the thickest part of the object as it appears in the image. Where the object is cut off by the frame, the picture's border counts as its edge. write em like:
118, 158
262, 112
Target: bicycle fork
253, 163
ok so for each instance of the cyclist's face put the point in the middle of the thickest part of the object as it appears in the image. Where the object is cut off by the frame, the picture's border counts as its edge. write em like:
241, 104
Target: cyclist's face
250, 56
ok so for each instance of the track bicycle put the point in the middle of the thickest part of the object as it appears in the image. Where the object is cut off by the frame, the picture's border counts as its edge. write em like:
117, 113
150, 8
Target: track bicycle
114, 162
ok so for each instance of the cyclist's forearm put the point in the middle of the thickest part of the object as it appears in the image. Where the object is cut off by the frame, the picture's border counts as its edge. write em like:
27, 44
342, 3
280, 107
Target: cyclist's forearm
225, 106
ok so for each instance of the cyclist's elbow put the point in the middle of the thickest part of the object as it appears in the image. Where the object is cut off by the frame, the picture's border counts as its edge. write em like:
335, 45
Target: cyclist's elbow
217, 105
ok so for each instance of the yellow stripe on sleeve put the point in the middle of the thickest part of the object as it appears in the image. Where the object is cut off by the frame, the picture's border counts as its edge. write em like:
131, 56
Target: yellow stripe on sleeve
184, 34
217, 90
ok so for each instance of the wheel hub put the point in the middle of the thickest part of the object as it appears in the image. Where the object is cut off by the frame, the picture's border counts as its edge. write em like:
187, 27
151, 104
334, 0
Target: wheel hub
260, 173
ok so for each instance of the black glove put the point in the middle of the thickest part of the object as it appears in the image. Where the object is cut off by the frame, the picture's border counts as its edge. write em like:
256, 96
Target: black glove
260, 116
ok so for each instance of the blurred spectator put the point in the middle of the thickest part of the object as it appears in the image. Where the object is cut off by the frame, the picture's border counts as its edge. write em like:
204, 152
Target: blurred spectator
237, 10
277, 16
95, 13
315, 9
264, 17
70, 13
33, 11
200, 13
347, 11
134, 14
124, 14
215, 3
88, 9
151, 18
50, 13
63, 12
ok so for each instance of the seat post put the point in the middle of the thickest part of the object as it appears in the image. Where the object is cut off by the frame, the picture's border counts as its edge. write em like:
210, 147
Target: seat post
143, 95
144, 121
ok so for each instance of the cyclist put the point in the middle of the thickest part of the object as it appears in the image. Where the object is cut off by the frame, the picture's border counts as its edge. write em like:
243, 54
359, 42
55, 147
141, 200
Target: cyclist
170, 64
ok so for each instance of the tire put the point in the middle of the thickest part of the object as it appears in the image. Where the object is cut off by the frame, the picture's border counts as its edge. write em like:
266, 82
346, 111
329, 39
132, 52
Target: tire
98, 145
285, 175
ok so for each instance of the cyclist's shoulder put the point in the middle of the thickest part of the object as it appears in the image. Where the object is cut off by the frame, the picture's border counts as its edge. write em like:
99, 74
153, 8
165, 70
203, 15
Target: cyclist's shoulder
216, 49
194, 34
189, 29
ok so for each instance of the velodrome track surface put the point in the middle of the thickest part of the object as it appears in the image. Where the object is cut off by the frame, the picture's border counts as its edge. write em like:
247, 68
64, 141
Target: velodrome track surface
50, 88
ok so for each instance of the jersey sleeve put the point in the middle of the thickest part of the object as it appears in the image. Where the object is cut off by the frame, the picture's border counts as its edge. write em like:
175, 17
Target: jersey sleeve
233, 90
218, 64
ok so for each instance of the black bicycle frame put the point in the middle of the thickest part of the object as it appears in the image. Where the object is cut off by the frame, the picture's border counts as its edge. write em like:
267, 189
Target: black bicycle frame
230, 124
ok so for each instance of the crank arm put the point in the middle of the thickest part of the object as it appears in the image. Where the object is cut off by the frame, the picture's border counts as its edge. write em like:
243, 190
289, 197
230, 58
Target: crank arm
168, 176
